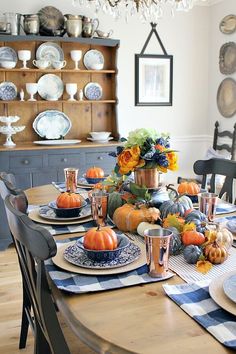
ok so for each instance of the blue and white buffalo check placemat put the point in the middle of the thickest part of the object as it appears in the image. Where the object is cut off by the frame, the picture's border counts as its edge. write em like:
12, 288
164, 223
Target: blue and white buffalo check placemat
62, 187
195, 300
78, 283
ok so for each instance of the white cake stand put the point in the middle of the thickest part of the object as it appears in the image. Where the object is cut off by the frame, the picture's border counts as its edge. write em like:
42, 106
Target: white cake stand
8, 130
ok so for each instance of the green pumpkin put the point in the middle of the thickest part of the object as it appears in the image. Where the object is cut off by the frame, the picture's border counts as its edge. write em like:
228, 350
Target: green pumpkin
114, 201
176, 245
176, 206
192, 253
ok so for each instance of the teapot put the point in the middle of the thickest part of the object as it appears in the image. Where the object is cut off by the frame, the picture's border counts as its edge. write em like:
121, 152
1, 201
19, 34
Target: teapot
89, 26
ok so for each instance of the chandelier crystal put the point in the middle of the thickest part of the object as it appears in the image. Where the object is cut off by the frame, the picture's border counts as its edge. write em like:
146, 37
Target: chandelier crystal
147, 10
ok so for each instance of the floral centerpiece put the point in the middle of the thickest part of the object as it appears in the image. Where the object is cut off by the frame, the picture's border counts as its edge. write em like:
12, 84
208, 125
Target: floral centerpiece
145, 149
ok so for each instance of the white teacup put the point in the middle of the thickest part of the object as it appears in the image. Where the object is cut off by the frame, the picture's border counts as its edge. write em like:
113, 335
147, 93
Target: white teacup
42, 63
58, 64
7, 64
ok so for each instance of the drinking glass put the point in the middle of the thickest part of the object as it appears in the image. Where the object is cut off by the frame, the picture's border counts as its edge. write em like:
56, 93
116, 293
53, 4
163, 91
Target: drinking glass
207, 204
71, 175
157, 251
24, 55
71, 89
32, 89
76, 55
99, 203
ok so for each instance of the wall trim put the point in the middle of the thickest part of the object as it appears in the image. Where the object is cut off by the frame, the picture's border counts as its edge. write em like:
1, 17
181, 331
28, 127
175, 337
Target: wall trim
207, 2
193, 138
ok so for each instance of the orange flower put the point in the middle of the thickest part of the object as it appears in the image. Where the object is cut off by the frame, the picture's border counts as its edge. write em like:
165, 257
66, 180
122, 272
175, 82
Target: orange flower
160, 147
129, 159
172, 158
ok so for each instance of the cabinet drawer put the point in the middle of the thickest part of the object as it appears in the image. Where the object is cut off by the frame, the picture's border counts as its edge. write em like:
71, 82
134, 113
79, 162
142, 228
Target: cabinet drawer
26, 161
99, 158
64, 160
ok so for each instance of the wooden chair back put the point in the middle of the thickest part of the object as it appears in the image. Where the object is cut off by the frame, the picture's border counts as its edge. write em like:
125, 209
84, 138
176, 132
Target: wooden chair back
35, 245
215, 167
231, 147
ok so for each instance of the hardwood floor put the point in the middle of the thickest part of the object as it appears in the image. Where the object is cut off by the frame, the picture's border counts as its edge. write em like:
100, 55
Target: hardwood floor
10, 310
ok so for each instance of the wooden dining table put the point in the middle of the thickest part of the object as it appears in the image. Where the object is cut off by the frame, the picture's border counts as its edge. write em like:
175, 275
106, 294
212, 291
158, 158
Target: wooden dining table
135, 319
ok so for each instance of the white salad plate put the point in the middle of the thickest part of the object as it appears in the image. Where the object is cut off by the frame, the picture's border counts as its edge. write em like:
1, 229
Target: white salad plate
49, 51
93, 91
99, 140
8, 91
50, 87
93, 60
8, 54
57, 142
51, 124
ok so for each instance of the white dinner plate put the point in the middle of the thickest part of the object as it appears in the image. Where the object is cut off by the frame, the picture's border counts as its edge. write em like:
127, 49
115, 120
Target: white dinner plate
8, 54
52, 124
50, 87
57, 142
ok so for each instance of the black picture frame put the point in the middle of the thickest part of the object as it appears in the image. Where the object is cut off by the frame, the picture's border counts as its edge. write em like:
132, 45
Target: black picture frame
153, 80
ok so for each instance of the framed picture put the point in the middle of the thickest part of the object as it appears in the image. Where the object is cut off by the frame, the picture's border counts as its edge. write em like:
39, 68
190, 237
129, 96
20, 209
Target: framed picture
153, 80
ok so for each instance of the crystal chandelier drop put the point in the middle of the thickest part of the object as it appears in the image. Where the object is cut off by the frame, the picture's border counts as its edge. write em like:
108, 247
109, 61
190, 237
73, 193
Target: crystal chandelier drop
147, 10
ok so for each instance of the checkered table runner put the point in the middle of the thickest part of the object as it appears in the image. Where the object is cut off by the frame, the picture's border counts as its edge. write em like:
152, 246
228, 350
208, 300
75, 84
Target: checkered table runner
195, 300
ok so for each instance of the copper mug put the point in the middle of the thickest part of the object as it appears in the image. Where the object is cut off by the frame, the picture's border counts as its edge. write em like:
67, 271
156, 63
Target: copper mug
71, 175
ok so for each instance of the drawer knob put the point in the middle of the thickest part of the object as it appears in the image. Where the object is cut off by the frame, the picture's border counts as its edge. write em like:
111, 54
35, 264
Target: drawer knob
25, 162
64, 159
100, 158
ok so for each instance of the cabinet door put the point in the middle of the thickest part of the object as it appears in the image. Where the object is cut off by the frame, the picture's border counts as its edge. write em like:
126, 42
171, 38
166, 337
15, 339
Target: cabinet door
23, 179
40, 178
101, 159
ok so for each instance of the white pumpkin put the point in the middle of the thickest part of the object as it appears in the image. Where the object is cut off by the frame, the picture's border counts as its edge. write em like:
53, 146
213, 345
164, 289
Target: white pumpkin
146, 225
225, 237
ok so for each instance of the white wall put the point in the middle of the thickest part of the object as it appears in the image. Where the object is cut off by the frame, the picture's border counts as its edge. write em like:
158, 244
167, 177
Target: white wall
187, 37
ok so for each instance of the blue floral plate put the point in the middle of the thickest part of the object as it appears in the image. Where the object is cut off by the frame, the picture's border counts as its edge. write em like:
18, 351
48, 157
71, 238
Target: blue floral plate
8, 91
93, 91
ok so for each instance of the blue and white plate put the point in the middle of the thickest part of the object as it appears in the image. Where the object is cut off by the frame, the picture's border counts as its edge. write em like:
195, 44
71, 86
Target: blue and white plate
48, 213
93, 91
229, 286
52, 124
75, 255
93, 59
231, 225
8, 54
50, 51
8, 91
50, 87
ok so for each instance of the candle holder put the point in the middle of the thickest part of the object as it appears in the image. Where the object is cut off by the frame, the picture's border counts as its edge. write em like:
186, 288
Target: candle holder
8, 130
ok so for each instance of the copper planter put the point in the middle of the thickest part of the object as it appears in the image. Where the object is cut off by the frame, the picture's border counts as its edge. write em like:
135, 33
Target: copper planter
148, 177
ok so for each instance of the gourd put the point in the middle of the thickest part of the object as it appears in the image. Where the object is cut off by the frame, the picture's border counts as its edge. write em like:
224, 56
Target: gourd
192, 237
145, 226
190, 188
114, 201
69, 200
176, 246
191, 254
100, 239
129, 216
198, 218
158, 197
95, 172
179, 205
224, 236
216, 253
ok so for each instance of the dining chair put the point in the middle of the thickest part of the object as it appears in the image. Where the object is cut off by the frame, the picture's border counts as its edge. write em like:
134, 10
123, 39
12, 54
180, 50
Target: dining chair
215, 167
231, 136
7, 186
35, 245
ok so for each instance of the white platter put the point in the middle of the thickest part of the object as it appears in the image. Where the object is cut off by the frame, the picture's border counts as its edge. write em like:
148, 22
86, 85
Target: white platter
50, 87
50, 51
57, 142
93, 60
51, 124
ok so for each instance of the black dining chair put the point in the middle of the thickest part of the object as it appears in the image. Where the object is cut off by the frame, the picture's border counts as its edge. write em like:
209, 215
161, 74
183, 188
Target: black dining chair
220, 145
215, 167
35, 245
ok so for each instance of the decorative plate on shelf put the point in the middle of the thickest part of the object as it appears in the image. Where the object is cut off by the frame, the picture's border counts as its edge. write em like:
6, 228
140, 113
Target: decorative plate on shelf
8, 91
228, 24
93, 91
50, 51
227, 60
226, 97
50, 87
57, 142
50, 19
75, 255
93, 60
8, 54
51, 124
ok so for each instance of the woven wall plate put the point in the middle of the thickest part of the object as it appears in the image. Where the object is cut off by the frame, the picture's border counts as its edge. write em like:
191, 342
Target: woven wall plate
226, 97
228, 24
227, 62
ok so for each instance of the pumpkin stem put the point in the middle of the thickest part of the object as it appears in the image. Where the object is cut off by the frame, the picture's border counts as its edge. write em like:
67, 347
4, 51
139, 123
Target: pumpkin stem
177, 195
99, 227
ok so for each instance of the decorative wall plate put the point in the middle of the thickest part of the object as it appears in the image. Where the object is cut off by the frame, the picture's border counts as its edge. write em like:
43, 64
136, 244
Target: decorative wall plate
8, 91
93, 91
52, 124
50, 87
50, 19
226, 97
8, 54
57, 142
227, 60
228, 24
93, 59
50, 51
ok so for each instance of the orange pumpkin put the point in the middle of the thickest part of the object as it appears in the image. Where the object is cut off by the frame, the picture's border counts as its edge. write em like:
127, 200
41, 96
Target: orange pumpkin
192, 237
190, 188
69, 200
100, 239
128, 216
95, 172
216, 253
